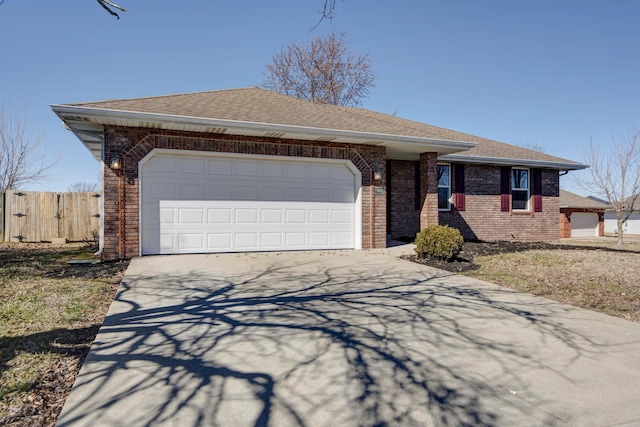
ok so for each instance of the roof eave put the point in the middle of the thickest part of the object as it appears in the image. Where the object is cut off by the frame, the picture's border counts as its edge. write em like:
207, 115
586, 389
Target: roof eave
76, 118
500, 161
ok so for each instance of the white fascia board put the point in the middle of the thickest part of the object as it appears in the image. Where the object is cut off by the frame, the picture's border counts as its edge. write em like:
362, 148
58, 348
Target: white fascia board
512, 162
166, 121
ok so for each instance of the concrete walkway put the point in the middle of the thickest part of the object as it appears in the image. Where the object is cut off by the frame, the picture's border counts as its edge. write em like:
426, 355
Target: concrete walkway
347, 339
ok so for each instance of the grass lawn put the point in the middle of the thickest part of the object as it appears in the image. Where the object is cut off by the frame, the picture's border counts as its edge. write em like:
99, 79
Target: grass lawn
590, 273
604, 279
50, 313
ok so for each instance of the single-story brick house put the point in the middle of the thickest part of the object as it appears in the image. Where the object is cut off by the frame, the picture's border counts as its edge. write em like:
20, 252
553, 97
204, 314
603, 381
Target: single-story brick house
580, 216
252, 170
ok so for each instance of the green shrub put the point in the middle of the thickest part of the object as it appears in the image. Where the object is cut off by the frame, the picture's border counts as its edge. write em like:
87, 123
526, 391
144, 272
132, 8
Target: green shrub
439, 242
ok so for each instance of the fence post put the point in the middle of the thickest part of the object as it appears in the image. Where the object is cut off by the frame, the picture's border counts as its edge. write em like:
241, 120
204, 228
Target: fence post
1, 216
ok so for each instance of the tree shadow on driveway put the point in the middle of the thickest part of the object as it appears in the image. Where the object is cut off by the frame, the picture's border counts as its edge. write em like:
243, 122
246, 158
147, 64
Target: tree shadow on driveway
297, 341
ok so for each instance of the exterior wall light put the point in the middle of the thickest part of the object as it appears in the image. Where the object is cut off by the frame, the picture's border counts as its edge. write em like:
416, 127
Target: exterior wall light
377, 174
115, 162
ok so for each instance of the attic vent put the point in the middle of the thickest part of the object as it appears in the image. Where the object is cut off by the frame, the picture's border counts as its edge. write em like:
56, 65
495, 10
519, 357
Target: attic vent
325, 139
274, 134
215, 130
77, 118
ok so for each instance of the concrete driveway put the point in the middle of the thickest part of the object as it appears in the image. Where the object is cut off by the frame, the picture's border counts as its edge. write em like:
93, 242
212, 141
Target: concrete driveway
347, 339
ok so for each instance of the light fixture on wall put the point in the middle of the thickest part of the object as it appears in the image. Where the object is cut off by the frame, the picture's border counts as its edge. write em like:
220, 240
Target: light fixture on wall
115, 162
377, 174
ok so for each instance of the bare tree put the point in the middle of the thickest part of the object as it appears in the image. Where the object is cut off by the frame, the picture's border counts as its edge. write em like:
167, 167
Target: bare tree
614, 176
109, 7
323, 70
328, 12
533, 146
21, 152
84, 187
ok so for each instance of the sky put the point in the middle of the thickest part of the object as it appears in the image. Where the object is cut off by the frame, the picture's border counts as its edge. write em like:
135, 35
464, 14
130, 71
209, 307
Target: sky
555, 73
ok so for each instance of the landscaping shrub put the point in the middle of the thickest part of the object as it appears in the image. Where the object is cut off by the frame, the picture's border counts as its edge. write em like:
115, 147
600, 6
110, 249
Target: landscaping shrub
439, 242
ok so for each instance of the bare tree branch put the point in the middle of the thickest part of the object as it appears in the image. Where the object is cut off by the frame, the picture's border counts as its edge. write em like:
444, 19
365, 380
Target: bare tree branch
21, 152
322, 70
533, 146
83, 187
614, 176
107, 5
328, 12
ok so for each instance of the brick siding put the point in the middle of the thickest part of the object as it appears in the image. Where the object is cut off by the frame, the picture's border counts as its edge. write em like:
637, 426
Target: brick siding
483, 220
404, 215
121, 198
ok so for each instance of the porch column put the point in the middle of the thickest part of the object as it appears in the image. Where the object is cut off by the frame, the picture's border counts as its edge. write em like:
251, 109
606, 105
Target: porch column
428, 189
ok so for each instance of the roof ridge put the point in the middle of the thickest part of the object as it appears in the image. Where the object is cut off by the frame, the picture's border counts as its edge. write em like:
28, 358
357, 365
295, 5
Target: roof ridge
166, 96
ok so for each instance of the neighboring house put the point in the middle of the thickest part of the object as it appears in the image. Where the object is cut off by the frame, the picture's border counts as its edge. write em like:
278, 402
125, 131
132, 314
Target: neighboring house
252, 170
580, 216
632, 226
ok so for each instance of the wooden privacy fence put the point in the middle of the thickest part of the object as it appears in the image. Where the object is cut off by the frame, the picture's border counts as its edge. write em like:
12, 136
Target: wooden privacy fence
42, 216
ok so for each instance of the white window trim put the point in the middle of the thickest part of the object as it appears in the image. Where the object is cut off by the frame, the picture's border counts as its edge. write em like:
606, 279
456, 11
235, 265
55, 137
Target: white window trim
528, 189
448, 186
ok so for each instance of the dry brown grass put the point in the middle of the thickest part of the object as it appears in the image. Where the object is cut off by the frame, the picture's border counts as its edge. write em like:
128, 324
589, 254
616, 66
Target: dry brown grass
50, 313
601, 280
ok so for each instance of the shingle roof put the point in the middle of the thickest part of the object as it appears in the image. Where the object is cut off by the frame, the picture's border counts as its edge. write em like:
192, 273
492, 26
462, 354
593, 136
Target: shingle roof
572, 200
262, 106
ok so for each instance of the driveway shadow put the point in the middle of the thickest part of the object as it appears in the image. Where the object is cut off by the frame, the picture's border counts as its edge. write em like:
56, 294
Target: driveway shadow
308, 342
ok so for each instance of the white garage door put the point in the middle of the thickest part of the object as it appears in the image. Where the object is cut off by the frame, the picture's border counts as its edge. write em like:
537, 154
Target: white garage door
584, 224
197, 204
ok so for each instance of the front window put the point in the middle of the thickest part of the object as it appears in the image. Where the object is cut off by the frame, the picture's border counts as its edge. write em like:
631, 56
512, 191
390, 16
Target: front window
444, 187
520, 189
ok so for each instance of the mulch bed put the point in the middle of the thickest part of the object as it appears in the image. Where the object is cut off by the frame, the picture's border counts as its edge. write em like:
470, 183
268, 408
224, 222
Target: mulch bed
472, 250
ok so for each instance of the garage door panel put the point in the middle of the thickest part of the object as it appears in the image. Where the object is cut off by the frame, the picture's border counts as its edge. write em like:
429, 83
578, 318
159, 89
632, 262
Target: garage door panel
272, 193
272, 170
162, 165
293, 170
295, 240
188, 191
296, 216
317, 216
340, 238
319, 238
271, 216
219, 216
190, 166
219, 241
239, 205
162, 189
219, 192
219, 167
167, 241
190, 216
584, 224
271, 240
244, 168
341, 175
246, 216
246, 241
246, 192
191, 241
319, 172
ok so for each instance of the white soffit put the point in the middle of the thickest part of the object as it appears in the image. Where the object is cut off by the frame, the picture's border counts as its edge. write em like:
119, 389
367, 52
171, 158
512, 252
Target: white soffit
87, 124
